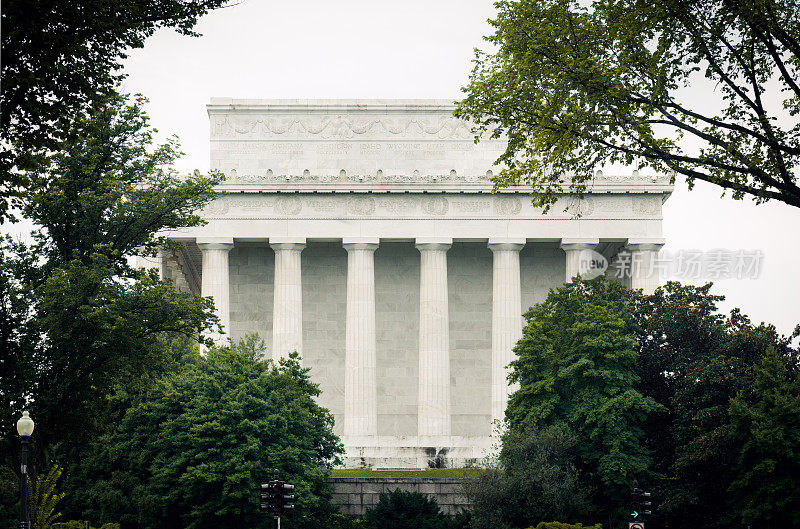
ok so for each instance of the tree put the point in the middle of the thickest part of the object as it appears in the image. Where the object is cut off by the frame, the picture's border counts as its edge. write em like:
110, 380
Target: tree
535, 479
575, 85
765, 491
58, 59
192, 451
576, 365
76, 319
400, 509
692, 361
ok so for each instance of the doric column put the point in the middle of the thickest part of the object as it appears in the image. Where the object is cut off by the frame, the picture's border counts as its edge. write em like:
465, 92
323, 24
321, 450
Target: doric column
644, 272
287, 308
506, 317
360, 379
216, 278
433, 408
578, 256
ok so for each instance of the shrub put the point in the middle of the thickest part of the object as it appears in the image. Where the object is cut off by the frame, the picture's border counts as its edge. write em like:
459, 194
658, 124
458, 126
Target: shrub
562, 525
401, 510
76, 524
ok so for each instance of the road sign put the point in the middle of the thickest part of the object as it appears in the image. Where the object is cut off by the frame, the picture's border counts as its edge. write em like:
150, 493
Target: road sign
636, 525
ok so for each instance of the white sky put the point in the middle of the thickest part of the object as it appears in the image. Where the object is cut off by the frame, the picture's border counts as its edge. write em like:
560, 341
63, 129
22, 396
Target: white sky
416, 49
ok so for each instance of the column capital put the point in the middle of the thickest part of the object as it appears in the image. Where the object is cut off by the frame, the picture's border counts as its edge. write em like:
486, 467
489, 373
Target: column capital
214, 243
653, 244
287, 243
579, 244
360, 243
506, 244
433, 243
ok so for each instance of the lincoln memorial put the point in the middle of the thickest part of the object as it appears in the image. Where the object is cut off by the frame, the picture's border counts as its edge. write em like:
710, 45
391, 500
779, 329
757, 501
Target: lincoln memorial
364, 234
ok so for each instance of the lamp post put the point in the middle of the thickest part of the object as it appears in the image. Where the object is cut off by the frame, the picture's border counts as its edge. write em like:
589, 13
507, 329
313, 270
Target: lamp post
24, 429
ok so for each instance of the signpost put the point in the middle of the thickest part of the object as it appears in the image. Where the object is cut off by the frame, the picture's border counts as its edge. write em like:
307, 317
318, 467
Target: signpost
636, 525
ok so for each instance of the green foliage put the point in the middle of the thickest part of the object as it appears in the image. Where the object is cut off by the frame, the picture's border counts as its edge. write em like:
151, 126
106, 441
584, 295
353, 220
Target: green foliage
192, 451
575, 85
536, 479
576, 366
766, 491
43, 497
693, 361
9, 498
110, 189
683, 396
400, 509
76, 320
560, 525
59, 58
76, 524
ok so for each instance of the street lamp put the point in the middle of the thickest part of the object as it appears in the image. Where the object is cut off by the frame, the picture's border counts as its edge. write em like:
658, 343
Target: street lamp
24, 429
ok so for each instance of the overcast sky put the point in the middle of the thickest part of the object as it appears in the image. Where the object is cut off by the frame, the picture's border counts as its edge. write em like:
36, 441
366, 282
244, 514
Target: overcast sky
416, 49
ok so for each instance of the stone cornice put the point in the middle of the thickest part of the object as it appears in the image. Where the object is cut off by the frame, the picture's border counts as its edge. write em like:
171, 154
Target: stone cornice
227, 104
450, 182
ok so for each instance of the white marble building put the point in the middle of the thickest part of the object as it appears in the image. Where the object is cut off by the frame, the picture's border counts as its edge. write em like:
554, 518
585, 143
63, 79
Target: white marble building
364, 234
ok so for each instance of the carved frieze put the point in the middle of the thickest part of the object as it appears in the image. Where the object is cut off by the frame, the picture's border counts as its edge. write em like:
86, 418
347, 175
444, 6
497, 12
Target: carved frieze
436, 205
341, 126
361, 206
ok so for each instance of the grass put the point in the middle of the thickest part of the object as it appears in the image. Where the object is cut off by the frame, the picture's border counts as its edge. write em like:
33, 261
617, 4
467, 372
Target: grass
430, 473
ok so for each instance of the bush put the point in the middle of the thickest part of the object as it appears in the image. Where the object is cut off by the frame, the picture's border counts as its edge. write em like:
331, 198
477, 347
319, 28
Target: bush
402, 510
562, 525
75, 524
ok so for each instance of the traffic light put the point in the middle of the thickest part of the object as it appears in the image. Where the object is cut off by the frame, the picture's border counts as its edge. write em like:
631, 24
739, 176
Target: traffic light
268, 498
287, 500
640, 502
276, 498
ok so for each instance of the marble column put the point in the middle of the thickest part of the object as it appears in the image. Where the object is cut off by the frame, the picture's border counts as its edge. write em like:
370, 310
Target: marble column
433, 407
644, 272
577, 252
506, 317
360, 379
287, 308
216, 278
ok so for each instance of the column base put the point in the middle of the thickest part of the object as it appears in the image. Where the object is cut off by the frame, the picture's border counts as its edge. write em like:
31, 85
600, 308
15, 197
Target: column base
415, 452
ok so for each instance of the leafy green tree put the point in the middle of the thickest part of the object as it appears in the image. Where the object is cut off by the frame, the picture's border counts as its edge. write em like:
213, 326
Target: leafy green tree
575, 85
58, 59
766, 490
535, 479
693, 361
576, 366
75, 318
192, 451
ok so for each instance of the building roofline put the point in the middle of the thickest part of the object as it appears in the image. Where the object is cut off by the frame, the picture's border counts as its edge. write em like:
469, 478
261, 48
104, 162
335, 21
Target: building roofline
222, 104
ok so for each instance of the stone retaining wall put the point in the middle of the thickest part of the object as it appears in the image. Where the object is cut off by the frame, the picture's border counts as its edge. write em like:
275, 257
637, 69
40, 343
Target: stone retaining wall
355, 495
